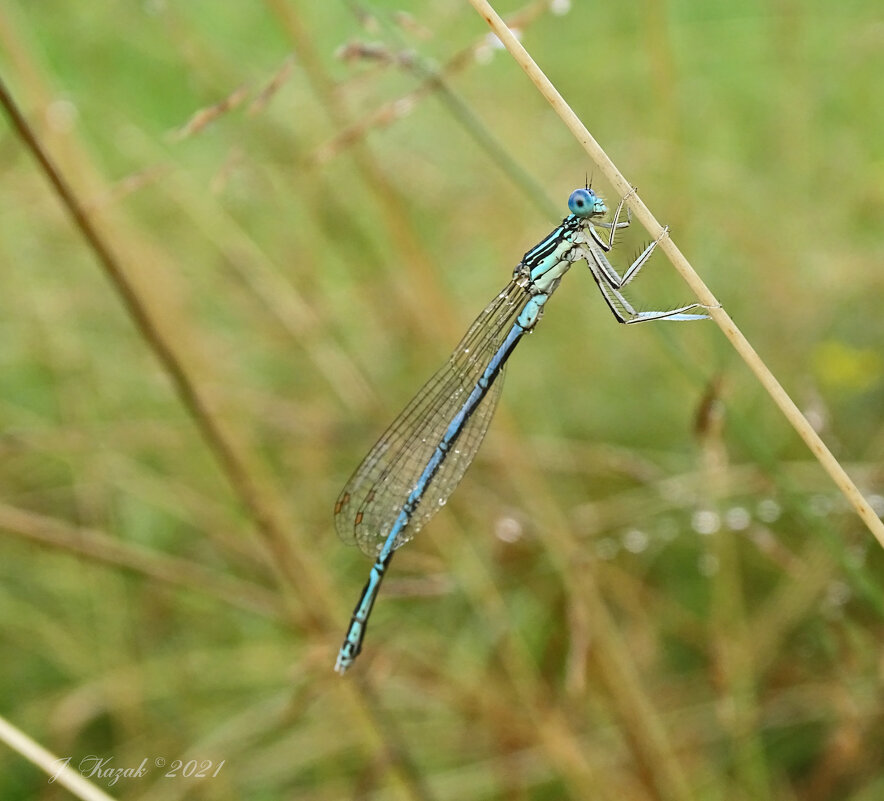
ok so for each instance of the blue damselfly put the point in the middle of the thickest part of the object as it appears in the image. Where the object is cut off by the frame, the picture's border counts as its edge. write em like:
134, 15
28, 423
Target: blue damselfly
413, 468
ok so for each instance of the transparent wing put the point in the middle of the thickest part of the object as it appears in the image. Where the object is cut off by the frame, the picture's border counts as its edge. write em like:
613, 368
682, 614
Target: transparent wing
373, 497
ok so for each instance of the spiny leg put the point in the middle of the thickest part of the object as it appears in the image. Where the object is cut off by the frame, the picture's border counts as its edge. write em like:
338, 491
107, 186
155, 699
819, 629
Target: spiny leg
613, 278
614, 225
676, 315
626, 314
610, 282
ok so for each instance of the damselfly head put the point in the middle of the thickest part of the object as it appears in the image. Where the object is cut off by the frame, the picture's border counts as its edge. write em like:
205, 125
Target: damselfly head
586, 203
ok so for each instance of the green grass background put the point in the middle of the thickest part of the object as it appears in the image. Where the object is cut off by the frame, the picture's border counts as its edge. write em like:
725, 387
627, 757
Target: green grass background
617, 603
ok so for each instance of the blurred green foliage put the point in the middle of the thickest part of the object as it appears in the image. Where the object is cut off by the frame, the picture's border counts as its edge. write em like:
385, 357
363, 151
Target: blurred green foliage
636, 593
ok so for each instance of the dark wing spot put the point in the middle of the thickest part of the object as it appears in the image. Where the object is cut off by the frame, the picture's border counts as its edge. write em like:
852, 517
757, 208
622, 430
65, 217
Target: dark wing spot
344, 499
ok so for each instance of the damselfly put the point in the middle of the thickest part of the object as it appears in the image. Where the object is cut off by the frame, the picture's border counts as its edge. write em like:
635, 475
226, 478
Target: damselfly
413, 468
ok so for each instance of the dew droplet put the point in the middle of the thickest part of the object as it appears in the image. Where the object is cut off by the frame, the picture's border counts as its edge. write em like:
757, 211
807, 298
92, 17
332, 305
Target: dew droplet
508, 529
705, 521
737, 518
768, 510
635, 540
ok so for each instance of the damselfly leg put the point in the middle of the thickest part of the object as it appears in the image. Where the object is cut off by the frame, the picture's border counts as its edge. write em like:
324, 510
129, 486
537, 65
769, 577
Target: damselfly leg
610, 282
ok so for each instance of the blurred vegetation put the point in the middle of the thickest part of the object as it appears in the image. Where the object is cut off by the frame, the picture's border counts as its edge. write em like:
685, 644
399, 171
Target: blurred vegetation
644, 588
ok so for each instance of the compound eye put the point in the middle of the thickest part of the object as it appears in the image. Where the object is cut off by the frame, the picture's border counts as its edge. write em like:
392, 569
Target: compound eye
582, 202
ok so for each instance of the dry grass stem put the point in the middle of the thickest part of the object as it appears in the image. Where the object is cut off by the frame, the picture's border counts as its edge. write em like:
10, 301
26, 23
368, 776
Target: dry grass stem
393, 110
63, 774
102, 548
676, 257
298, 573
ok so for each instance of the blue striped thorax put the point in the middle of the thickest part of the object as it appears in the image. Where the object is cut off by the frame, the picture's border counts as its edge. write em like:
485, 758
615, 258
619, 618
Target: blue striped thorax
543, 266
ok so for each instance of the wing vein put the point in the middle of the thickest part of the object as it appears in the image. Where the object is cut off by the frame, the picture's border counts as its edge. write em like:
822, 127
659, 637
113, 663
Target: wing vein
373, 497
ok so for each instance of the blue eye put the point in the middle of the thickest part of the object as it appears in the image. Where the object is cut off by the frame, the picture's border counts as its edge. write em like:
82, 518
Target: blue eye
585, 203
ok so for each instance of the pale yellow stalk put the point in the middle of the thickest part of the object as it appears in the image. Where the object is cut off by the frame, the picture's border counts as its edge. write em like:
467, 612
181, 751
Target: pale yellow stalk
719, 315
